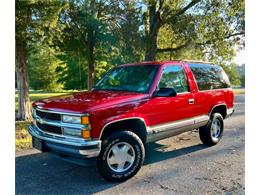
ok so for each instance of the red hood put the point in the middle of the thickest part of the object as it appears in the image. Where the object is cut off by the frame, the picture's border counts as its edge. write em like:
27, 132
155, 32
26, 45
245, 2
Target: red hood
84, 102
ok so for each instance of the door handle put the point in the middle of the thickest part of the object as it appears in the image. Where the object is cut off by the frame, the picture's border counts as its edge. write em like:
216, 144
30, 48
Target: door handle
191, 101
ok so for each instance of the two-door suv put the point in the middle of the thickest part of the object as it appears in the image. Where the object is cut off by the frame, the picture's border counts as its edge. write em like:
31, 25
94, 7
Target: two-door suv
134, 104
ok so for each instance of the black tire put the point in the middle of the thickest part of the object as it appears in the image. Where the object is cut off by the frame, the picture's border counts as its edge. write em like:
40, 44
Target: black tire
121, 137
206, 134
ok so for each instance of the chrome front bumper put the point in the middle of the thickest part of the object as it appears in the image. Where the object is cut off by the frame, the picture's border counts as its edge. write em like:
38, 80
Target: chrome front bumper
66, 145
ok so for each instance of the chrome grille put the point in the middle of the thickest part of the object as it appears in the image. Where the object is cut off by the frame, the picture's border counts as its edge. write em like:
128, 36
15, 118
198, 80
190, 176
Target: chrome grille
48, 115
51, 122
49, 128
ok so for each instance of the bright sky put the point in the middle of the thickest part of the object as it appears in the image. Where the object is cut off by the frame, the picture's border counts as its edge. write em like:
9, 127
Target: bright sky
240, 57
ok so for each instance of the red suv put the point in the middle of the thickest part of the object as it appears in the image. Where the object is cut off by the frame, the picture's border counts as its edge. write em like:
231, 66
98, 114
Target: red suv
134, 104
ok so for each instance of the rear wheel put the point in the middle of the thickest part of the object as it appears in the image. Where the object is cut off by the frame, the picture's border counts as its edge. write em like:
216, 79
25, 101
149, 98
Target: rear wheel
211, 133
121, 156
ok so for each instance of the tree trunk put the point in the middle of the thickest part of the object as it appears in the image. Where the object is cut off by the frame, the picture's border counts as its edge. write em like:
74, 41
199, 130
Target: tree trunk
152, 33
91, 58
24, 109
151, 47
91, 71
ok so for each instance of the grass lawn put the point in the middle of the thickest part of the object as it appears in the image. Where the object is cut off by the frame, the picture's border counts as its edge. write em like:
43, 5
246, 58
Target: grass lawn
36, 96
239, 91
23, 139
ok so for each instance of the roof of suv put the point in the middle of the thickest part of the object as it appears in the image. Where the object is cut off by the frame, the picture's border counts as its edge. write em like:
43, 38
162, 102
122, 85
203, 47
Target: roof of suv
164, 62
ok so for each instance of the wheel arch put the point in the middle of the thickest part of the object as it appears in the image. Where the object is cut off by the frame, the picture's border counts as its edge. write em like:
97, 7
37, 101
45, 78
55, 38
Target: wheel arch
220, 108
135, 124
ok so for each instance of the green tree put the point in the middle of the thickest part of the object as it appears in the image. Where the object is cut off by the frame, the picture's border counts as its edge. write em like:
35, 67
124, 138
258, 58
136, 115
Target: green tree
82, 39
83, 25
42, 65
102, 33
71, 73
32, 22
207, 28
242, 81
130, 38
232, 73
22, 20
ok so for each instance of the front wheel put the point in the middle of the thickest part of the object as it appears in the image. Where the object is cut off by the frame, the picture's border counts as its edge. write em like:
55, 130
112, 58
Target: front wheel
211, 133
121, 156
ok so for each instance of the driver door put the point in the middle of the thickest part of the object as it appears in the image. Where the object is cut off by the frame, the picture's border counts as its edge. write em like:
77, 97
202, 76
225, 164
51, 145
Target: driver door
168, 110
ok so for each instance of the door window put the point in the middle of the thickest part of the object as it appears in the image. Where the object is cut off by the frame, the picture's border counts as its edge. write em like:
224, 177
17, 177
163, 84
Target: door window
174, 77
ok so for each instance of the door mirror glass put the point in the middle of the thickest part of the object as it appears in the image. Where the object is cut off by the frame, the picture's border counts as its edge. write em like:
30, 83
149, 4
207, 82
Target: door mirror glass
165, 92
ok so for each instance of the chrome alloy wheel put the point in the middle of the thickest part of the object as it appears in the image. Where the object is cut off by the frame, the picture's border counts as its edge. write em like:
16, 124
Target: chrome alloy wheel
216, 130
121, 157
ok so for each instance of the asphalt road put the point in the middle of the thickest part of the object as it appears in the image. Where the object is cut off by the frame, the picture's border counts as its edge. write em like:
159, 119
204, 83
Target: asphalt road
178, 165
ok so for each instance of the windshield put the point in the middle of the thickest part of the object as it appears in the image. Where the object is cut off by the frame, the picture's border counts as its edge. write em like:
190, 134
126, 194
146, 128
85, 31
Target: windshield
128, 78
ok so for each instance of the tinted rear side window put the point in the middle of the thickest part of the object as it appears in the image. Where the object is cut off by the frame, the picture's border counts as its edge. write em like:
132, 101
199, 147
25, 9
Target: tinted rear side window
209, 76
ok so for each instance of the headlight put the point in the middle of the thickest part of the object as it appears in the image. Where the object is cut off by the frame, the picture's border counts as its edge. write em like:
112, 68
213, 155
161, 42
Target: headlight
71, 119
72, 132
75, 119
84, 133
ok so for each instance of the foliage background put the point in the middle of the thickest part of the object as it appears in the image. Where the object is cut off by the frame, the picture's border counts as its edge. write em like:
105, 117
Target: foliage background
69, 44
58, 36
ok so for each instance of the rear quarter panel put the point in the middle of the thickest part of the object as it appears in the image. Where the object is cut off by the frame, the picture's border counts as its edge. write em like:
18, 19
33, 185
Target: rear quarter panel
212, 98
206, 99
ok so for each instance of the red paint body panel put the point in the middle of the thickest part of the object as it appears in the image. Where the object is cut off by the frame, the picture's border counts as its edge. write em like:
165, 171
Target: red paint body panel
107, 106
84, 102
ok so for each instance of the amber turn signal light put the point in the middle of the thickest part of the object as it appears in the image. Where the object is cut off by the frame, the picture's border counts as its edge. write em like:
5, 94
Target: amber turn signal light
85, 133
84, 120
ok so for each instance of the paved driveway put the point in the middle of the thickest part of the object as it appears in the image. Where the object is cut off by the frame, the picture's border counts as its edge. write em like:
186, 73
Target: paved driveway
178, 165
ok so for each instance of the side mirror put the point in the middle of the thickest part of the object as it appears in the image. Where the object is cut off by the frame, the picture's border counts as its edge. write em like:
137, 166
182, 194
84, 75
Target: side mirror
165, 92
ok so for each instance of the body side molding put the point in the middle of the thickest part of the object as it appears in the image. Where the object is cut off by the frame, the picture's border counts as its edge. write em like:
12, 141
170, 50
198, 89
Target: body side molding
165, 130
